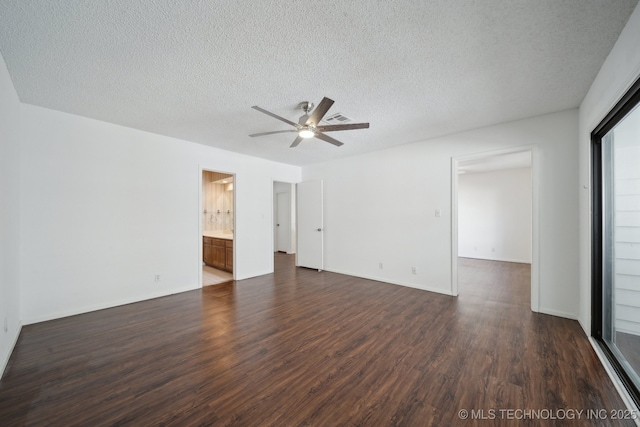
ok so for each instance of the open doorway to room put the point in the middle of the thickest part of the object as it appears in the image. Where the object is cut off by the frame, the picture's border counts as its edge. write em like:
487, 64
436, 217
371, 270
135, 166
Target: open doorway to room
218, 226
493, 223
284, 217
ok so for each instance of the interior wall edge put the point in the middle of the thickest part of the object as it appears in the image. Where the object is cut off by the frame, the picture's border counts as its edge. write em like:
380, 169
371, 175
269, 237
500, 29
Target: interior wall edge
10, 219
13, 342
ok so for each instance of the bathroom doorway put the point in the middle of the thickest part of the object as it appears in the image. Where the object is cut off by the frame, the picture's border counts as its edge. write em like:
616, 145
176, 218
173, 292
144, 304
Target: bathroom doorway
218, 227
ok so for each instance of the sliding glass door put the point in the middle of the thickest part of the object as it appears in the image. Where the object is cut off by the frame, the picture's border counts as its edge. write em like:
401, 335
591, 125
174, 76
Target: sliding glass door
616, 238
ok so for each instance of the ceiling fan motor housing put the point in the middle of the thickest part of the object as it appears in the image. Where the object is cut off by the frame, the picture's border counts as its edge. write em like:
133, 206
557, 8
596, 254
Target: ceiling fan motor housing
306, 106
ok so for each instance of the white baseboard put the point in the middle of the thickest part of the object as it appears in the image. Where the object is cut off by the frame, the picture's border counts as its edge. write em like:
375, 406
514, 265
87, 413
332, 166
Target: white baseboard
5, 359
558, 313
102, 306
253, 274
586, 330
393, 282
517, 261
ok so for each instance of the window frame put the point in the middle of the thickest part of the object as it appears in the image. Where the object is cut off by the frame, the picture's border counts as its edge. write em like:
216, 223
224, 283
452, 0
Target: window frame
627, 103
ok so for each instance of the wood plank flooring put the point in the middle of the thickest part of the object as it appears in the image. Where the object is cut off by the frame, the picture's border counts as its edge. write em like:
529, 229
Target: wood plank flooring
213, 276
301, 347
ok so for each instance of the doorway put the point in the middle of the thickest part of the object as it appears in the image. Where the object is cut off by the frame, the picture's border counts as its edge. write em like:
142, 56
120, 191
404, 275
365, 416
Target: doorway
217, 227
494, 213
284, 217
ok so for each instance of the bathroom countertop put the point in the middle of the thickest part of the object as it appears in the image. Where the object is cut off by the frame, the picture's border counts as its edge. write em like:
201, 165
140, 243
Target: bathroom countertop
218, 235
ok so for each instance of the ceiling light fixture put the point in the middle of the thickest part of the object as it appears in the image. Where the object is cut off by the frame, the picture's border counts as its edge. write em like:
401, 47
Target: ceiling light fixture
308, 125
306, 133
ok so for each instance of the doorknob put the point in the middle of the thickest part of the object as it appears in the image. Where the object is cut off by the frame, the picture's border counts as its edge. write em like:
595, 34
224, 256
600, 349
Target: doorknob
278, 225
319, 229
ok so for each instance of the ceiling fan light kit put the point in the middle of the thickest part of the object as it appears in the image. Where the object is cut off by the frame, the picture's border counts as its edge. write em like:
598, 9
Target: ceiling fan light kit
308, 125
306, 133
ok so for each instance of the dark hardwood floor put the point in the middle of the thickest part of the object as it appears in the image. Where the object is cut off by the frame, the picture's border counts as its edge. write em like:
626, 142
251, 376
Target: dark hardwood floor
300, 347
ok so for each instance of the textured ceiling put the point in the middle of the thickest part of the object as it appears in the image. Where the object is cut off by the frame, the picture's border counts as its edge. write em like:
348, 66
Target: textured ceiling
413, 69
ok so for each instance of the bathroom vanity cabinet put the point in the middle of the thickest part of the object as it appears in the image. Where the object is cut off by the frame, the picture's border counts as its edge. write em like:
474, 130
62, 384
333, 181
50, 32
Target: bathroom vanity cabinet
218, 253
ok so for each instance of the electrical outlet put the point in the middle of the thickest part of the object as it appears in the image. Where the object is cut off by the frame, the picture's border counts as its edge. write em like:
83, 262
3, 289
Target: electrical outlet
413, 270
380, 265
157, 278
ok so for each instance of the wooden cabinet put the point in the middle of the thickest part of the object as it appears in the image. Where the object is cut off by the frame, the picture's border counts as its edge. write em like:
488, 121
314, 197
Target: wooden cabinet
207, 250
218, 253
229, 255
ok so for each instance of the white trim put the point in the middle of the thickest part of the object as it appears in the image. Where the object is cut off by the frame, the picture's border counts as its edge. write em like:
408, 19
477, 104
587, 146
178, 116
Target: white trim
200, 239
454, 226
535, 228
255, 274
443, 291
102, 306
622, 391
14, 341
516, 261
558, 313
535, 217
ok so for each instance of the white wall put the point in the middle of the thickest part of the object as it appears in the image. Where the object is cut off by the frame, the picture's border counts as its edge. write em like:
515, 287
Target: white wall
619, 71
494, 215
379, 207
105, 208
9, 215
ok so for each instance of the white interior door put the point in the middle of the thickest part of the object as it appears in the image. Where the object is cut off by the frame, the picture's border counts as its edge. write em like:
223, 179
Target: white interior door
283, 223
310, 225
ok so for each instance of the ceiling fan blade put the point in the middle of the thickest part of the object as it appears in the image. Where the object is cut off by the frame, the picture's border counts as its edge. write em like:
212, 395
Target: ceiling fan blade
328, 139
296, 142
272, 132
332, 128
320, 111
275, 116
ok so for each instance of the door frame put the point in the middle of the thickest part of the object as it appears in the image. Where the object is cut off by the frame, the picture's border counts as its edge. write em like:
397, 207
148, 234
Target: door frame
202, 169
535, 216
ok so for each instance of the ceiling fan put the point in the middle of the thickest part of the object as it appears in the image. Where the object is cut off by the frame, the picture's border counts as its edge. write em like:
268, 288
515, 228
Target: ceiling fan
308, 126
